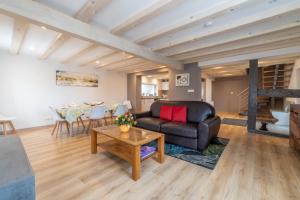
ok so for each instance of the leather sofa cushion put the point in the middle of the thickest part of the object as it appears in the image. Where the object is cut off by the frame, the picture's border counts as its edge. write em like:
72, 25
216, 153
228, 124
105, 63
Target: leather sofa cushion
179, 114
188, 130
166, 112
197, 111
150, 123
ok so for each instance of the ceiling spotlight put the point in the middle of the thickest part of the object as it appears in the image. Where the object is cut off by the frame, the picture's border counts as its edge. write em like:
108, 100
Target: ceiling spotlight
97, 62
44, 27
272, 1
208, 24
31, 48
231, 10
218, 68
228, 74
130, 56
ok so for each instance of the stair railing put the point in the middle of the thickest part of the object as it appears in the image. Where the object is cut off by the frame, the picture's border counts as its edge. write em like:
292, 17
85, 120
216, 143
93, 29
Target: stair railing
243, 100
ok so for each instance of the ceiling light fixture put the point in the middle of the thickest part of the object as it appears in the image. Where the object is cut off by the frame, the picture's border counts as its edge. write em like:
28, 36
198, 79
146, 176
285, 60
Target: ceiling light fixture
208, 24
272, 1
97, 62
228, 74
218, 68
31, 48
44, 27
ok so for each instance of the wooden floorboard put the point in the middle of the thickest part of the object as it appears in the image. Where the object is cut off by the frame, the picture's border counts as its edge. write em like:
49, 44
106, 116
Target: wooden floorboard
251, 167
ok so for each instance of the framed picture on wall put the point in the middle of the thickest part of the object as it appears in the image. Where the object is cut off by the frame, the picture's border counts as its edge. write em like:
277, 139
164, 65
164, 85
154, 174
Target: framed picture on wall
182, 79
64, 78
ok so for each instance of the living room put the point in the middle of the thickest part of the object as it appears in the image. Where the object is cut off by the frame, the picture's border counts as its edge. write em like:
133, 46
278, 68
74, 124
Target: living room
173, 99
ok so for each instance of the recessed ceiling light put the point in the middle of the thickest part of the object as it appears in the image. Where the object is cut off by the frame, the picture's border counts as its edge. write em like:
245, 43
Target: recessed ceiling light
228, 74
272, 1
231, 10
31, 48
97, 62
44, 27
59, 35
207, 24
218, 68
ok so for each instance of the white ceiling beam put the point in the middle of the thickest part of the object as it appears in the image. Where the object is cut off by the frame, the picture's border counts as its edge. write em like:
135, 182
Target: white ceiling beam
141, 64
192, 18
125, 63
258, 40
288, 7
43, 15
58, 41
247, 50
90, 9
94, 61
122, 59
139, 16
85, 14
290, 51
142, 69
80, 53
139, 68
266, 27
19, 32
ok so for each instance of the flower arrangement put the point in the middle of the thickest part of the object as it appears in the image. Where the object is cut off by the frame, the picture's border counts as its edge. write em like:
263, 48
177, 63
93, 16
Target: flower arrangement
125, 122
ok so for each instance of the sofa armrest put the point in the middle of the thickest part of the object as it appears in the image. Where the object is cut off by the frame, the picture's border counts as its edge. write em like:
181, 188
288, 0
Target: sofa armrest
142, 114
207, 130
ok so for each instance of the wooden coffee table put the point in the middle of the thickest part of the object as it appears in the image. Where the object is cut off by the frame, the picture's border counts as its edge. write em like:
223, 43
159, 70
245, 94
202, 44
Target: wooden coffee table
127, 146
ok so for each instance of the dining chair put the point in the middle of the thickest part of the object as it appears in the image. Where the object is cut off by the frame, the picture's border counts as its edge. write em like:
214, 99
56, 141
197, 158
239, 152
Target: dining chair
128, 104
59, 122
4, 121
96, 116
121, 109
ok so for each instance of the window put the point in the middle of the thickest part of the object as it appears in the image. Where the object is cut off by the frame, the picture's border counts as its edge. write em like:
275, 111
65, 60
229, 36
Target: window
149, 90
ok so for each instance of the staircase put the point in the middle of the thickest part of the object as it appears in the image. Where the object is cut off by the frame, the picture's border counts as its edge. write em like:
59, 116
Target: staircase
262, 102
273, 77
276, 76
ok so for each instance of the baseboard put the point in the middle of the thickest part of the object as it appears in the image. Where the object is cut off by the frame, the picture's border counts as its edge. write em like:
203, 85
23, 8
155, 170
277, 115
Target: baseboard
271, 134
34, 128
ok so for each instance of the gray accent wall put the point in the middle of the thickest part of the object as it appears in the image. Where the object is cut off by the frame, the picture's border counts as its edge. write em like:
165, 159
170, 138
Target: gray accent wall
181, 93
174, 93
225, 91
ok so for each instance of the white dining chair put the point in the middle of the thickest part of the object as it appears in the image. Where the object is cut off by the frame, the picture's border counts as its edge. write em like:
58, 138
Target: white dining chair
4, 121
96, 116
121, 109
59, 122
128, 104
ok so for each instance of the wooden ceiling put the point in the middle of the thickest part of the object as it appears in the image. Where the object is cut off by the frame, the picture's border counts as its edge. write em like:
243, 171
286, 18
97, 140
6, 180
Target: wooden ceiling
138, 35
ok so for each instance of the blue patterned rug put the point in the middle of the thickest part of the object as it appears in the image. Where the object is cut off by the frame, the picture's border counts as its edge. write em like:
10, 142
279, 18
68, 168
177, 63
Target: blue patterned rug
207, 158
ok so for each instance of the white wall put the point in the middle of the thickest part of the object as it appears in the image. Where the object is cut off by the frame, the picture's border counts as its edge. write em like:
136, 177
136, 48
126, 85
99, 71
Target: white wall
28, 87
208, 88
295, 80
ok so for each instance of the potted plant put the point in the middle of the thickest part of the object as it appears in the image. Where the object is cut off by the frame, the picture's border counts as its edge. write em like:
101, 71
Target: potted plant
125, 122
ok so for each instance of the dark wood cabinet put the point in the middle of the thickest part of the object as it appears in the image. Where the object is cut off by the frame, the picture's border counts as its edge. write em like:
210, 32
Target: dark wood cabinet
295, 128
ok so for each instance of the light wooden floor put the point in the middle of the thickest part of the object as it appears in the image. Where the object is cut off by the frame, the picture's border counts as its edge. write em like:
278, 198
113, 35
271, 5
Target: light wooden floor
251, 167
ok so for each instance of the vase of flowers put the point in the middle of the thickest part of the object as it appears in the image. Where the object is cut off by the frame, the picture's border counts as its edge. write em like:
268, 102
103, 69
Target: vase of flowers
125, 122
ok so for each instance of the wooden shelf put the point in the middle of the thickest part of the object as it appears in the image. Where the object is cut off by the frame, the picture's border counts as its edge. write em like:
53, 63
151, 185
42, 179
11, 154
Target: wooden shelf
295, 129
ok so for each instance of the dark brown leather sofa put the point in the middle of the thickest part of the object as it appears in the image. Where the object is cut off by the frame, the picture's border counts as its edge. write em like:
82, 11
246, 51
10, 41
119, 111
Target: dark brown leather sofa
201, 127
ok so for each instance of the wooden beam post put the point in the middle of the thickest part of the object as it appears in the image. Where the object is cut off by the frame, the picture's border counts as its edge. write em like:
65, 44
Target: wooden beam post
252, 98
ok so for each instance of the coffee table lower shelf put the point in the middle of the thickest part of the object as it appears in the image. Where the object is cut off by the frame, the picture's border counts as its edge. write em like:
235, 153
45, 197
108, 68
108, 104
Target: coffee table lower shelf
128, 152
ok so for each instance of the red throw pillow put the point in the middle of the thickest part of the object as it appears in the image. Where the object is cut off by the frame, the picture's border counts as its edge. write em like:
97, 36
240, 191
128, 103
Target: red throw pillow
179, 114
166, 112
